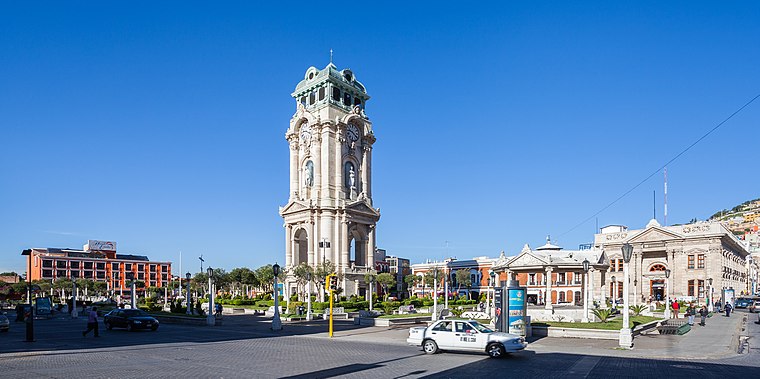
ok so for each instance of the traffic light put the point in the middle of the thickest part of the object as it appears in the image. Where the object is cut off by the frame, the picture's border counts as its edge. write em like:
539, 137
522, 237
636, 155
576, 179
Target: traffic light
333, 282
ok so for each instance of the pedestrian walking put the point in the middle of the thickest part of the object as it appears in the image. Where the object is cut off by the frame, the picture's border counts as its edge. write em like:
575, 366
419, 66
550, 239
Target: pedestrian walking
676, 307
717, 305
92, 322
728, 308
690, 313
703, 315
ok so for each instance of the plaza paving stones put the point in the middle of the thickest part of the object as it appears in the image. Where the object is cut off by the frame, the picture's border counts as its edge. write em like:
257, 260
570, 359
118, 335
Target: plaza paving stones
245, 348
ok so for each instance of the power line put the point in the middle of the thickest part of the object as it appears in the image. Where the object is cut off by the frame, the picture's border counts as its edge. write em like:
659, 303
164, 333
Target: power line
664, 165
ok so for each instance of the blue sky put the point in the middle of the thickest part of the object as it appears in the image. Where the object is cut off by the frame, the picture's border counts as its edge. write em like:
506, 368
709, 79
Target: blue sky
161, 126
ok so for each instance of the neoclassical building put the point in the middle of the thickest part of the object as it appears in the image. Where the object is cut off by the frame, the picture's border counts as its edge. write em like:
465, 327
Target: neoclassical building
329, 214
554, 276
694, 253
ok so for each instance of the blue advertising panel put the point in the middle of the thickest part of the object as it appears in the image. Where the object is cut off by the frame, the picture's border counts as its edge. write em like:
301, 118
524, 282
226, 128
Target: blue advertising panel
517, 308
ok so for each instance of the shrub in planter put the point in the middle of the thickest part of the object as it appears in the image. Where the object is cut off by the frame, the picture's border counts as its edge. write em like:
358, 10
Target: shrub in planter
293, 306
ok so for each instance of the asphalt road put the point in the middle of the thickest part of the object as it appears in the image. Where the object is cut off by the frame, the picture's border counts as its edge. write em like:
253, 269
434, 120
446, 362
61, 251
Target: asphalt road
244, 348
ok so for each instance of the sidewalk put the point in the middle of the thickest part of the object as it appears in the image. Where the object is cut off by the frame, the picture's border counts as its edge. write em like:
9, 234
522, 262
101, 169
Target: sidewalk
718, 339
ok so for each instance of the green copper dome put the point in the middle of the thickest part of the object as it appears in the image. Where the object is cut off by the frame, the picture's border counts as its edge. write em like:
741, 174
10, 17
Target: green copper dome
330, 86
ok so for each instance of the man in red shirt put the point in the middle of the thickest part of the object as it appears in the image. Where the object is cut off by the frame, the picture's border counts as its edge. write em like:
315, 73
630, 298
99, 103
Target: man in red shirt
676, 307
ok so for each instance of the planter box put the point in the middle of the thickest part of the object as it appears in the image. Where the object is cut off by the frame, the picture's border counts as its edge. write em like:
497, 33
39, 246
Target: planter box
365, 321
201, 321
543, 331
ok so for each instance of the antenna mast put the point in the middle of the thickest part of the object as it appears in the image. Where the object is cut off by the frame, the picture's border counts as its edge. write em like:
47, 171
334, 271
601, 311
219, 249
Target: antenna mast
665, 221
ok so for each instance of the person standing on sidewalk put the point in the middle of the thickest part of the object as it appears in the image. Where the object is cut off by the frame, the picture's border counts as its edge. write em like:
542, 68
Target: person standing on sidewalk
703, 315
690, 313
728, 308
676, 307
92, 322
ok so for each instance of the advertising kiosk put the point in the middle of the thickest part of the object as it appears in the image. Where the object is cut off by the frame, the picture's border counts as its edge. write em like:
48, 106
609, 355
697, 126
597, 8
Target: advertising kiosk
511, 309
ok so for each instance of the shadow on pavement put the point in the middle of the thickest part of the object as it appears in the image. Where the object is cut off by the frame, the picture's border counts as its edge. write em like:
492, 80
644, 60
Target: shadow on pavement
63, 334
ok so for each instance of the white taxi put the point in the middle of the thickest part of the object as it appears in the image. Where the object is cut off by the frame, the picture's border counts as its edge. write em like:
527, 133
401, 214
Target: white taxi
464, 335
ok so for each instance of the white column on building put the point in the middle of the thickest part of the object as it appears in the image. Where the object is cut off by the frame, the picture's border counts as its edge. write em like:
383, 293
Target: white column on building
310, 245
371, 247
316, 159
338, 181
548, 294
293, 168
288, 245
345, 244
364, 171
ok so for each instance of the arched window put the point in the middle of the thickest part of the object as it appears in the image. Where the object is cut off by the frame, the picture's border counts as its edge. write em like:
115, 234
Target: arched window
657, 267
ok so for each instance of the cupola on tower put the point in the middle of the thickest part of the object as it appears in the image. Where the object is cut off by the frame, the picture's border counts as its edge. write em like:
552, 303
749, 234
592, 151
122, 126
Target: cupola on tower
329, 217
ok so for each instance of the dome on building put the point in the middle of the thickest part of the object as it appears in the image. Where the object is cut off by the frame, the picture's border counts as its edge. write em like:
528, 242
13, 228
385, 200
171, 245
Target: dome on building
548, 246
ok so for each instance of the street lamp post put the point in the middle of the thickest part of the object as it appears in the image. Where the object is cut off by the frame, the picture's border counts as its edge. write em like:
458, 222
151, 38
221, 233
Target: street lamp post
446, 287
210, 318
371, 287
308, 297
491, 305
30, 320
276, 322
435, 293
134, 291
667, 295
626, 338
613, 287
585, 290
189, 306
710, 299
74, 312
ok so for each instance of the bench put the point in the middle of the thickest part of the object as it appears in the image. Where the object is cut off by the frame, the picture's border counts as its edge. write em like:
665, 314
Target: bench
673, 326
338, 312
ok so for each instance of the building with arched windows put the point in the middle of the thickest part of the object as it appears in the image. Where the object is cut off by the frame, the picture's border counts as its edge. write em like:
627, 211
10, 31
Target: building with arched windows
703, 258
329, 218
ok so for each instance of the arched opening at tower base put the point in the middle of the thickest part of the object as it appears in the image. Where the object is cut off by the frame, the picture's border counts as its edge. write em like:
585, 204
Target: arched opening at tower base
301, 245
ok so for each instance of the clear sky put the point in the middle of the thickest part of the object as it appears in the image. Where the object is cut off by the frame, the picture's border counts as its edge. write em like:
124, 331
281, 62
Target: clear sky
161, 126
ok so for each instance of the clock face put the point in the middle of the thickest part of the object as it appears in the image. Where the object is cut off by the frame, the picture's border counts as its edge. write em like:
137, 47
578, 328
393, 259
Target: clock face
305, 132
352, 132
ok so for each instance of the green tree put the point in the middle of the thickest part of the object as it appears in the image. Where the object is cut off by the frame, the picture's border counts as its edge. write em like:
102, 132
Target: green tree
386, 280
464, 279
99, 287
265, 277
301, 273
411, 281
427, 281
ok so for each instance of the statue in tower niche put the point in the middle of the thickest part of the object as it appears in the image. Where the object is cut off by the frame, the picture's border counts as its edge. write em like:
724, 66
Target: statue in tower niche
309, 174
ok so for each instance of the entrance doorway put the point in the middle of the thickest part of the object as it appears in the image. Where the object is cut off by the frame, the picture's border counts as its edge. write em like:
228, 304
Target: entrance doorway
657, 290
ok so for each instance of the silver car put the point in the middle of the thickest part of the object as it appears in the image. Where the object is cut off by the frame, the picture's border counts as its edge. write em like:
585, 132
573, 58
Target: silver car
464, 335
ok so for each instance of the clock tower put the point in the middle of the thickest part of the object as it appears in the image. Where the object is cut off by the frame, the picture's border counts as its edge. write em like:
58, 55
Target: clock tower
329, 217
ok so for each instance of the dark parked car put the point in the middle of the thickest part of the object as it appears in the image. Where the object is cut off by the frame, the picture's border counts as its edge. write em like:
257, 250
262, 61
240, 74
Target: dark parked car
5, 324
132, 319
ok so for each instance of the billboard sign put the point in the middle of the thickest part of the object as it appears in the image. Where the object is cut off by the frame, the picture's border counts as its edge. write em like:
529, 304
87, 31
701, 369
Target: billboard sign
101, 245
516, 306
